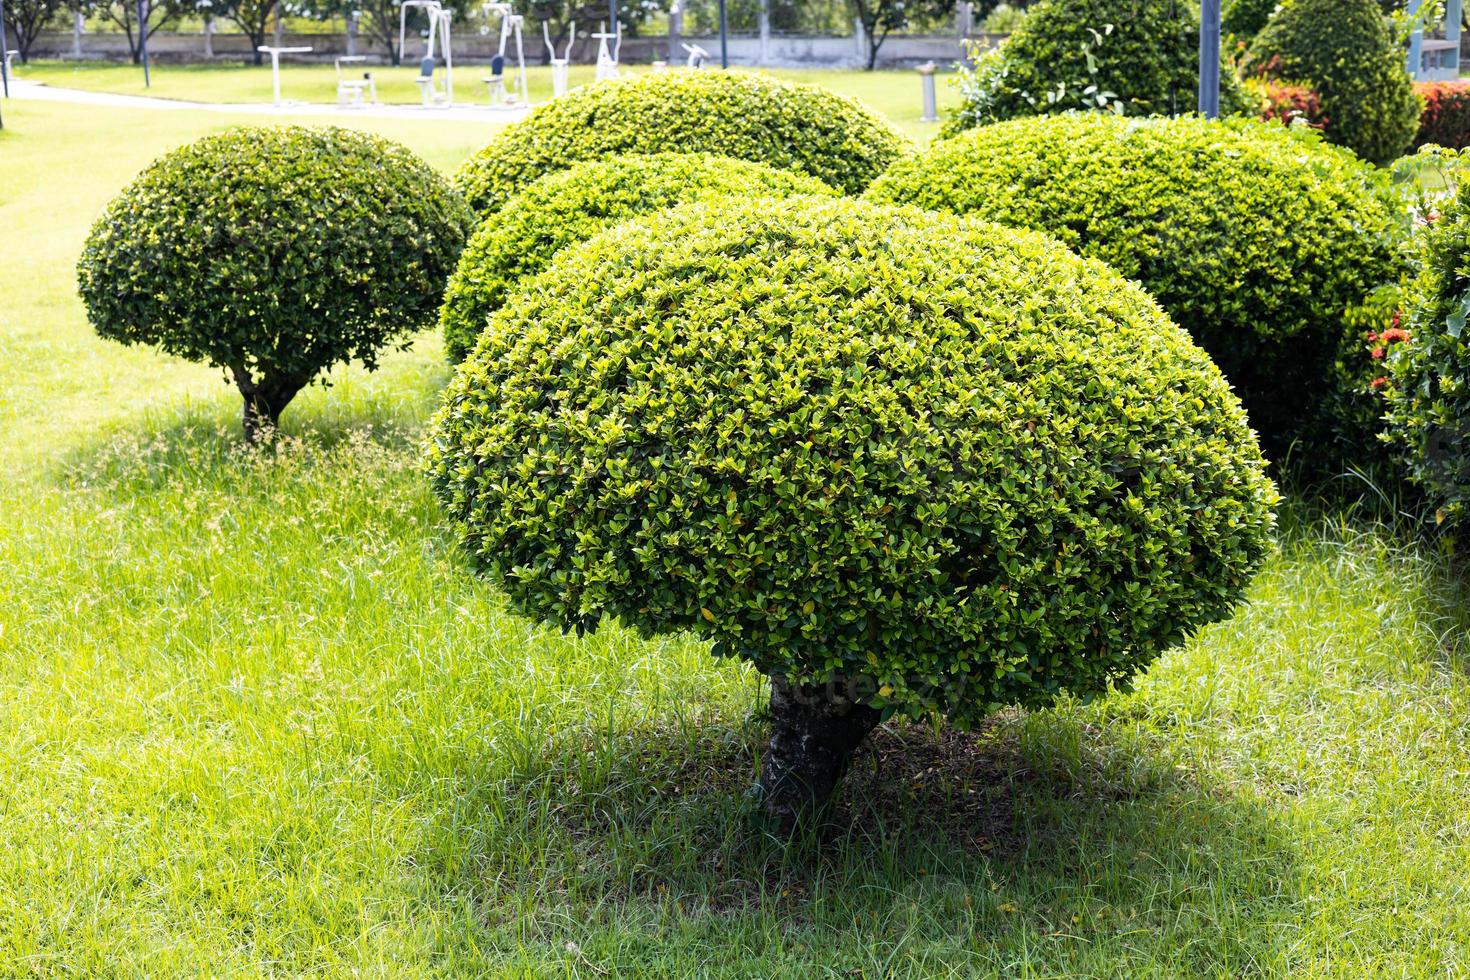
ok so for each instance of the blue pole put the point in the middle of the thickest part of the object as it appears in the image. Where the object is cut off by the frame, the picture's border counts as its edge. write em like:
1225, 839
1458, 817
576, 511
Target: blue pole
4, 57
143, 40
724, 29
1209, 59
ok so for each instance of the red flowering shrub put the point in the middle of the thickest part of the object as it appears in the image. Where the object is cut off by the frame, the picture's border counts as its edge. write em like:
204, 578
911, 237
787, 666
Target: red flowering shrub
1445, 119
1286, 102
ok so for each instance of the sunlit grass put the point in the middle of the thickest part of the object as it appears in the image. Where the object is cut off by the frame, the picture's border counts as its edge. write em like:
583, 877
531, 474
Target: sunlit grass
895, 94
256, 719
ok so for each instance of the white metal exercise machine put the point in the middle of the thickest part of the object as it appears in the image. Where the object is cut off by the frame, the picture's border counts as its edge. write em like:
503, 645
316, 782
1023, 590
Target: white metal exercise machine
510, 26
697, 56
607, 59
438, 37
560, 65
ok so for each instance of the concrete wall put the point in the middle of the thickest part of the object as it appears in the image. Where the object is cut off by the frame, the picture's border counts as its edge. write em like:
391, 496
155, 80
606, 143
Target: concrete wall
778, 51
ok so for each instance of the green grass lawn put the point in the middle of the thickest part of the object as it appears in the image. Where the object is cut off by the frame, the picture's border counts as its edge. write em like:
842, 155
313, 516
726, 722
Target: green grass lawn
257, 720
897, 95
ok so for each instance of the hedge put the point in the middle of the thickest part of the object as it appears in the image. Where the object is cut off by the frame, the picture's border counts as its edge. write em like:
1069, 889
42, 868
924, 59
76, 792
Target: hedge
804, 128
950, 460
1345, 50
1428, 377
573, 205
1254, 237
1130, 57
1445, 120
274, 253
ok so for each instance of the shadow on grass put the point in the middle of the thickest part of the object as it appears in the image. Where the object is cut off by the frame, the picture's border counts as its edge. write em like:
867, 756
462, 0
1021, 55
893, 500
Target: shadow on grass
1036, 829
201, 441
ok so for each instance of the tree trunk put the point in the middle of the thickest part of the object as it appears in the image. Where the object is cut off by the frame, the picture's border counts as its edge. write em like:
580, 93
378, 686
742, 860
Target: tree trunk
263, 402
814, 731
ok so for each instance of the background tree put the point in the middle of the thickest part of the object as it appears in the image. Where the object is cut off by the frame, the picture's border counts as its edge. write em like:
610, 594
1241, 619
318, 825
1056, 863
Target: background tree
881, 17
253, 17
123, 14
24, 21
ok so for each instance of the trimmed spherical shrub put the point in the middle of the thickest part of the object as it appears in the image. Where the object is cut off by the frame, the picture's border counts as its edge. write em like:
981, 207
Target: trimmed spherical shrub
273, 254
1345, 50
1428, 379
573, 205
803, 128
1130, 57
899, 461
1254, 237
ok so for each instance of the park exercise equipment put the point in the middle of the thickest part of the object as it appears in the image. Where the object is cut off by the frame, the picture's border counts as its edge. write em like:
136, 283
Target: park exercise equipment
697, 56
438, 37
275, 54
607, 58
510, 26
559, 65
355, 91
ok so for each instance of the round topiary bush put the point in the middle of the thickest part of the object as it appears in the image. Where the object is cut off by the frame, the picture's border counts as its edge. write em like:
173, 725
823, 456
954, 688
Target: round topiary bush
1253, 237
1428, 358
573, 205
899, 461
1346, 51
1132, 57
751, 117
274, 253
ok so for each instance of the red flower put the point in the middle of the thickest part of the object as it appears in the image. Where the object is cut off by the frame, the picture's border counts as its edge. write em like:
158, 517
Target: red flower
1377, 353
1372, 337
1378, 382
1396, 314
1394, 335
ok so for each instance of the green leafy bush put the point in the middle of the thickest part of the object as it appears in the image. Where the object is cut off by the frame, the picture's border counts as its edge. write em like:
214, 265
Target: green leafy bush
1254, 237
751, 117
935, 464
1245, 18
1346, 51
1428, 376
274, 253
1130, 57
573, 205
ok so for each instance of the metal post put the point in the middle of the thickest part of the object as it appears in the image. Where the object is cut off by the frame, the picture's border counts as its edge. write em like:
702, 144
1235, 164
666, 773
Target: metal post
1452, 16
1209, 59
612, 21
4, 55
724, 31
143, 40
1416, 41
931, 103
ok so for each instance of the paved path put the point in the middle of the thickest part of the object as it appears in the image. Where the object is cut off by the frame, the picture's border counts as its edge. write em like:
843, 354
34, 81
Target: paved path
22, 89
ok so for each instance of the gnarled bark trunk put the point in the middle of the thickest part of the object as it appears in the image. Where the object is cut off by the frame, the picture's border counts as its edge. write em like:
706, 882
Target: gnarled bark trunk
264, 401
814, 731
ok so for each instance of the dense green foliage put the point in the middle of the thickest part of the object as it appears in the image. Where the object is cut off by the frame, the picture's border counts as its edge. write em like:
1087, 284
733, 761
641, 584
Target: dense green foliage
1254, 237
1429, 373
1245, 18
274, 253
1346, 51
751, 117
1131, 57
948, 459
573, 205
